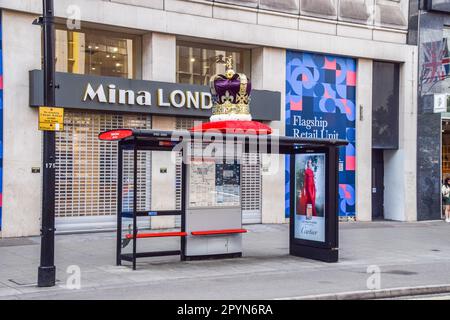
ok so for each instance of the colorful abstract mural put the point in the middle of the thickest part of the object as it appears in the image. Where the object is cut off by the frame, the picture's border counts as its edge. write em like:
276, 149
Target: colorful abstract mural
320, 103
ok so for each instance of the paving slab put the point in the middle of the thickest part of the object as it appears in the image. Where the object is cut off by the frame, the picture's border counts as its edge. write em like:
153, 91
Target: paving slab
407, 254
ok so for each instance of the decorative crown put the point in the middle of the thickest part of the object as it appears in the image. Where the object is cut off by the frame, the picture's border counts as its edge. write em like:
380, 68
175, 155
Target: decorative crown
231, 95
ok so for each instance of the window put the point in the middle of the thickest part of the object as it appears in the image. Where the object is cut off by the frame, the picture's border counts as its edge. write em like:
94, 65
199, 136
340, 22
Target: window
445, 57
385, 105
97, 53
196, 63
446, 35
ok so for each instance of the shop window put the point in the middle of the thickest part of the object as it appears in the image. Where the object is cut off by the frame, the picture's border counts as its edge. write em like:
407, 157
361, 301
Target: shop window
385, 105
446, 54
448, 103
445, 147
196, 63
97, 53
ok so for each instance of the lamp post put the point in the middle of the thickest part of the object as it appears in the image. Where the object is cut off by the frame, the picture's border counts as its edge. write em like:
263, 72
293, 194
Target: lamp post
47, 269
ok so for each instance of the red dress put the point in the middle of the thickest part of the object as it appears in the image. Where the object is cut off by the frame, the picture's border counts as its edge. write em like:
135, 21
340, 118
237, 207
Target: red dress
308, 194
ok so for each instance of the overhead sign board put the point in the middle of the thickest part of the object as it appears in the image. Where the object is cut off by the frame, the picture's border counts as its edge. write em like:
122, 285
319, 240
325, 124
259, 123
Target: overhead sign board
141, 96
51, 119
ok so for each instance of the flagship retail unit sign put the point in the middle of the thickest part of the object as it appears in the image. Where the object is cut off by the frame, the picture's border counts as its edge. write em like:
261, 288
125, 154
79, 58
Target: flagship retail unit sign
320, 103
140, 96
51, 119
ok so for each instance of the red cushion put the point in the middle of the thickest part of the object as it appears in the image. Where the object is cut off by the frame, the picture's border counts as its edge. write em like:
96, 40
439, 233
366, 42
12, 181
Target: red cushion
236, 127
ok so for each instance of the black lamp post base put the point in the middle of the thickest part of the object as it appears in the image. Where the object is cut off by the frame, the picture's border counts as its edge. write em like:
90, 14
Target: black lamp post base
46, 276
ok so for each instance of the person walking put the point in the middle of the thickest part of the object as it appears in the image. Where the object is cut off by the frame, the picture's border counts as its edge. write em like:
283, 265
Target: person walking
446, 198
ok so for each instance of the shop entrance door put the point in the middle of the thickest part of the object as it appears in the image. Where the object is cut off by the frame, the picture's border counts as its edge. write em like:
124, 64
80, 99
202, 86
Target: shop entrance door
377, 184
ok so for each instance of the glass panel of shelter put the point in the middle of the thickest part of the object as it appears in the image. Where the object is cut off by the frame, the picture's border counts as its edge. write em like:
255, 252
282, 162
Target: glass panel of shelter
157, 186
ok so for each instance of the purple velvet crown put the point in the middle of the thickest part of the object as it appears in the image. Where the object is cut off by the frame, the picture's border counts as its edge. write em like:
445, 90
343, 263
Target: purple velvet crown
234, 90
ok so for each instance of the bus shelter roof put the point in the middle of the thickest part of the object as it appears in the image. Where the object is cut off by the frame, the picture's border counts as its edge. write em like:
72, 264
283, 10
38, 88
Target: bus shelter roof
167, 140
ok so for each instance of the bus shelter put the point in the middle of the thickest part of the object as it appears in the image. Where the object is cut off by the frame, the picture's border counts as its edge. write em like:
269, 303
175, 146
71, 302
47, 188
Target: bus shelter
210, 212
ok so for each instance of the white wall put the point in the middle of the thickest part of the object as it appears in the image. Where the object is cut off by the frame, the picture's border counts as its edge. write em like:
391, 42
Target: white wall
159, 63
21, 139
399, 165
268, 73
238, 25
400, 193
364, 140
159, 57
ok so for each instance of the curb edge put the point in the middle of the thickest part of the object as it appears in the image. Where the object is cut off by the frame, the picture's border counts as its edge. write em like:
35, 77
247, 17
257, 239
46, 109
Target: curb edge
376, 294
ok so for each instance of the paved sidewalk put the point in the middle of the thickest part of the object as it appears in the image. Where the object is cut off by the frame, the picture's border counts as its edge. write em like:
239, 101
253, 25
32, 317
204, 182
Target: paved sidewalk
408, 255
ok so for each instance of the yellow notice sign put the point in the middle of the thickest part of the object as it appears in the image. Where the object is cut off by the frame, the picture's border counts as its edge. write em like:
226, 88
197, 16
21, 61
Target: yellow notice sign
51, 119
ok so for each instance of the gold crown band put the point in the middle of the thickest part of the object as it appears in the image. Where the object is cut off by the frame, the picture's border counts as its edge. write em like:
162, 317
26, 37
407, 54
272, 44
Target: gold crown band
231, 108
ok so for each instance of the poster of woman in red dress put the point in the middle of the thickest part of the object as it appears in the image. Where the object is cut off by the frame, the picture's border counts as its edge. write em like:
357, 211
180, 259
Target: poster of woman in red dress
310, 196
307, 197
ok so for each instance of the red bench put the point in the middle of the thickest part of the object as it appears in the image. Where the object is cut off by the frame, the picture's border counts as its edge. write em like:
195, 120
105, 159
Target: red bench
224, 231
156, 235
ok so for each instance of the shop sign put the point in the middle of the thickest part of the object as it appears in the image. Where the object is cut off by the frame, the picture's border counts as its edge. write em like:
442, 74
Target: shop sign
175, 98
440, 103
51, 119
88, 92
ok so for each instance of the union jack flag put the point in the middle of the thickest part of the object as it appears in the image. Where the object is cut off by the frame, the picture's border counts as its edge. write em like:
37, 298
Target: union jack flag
437, 61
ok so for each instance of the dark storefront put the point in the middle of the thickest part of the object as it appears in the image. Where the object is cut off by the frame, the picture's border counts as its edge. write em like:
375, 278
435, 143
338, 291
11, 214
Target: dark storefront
385, 126
430, 30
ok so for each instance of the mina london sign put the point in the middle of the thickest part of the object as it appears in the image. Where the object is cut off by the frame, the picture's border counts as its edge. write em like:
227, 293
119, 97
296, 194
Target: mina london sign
176, 98
89, 92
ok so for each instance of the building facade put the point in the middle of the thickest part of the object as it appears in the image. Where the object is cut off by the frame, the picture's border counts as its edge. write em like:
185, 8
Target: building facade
341, 68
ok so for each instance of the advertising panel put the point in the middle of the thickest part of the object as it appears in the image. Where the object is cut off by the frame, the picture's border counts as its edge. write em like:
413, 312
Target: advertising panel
320, 104
309, 189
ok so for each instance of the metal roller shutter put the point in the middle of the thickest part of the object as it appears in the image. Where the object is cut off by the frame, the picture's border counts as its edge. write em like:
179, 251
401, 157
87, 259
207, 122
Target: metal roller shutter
251, 188
86, 171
